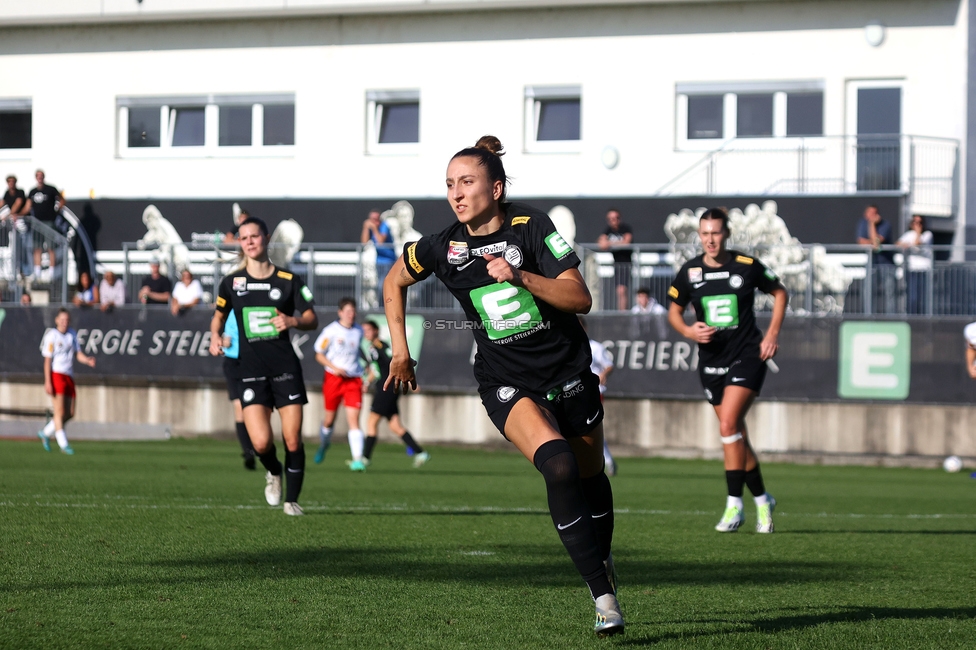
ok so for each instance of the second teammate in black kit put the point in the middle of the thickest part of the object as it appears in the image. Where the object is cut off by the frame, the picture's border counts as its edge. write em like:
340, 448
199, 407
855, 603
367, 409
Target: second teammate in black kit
721, 284
518, 281
264, 299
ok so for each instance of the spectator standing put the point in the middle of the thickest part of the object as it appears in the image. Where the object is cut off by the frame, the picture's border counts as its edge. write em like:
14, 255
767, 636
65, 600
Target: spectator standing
617, 237
875, 232
15, 199
377, 231
917, 244
111, 291
45, 203
156, 288
87, 294
646, 304
186, 293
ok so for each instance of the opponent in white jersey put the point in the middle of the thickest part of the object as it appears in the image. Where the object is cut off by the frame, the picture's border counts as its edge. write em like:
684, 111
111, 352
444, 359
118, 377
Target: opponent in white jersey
59, 348
969, 332
601, 365
337, 348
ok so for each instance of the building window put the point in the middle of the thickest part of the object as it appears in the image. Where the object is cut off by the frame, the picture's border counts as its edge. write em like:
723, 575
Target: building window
723, 111
15, 123
706, 116
754, 116
553, 118
804, 114
210, 125
393, 121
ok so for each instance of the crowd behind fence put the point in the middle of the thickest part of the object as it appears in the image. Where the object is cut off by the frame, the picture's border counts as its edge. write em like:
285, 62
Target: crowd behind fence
820, 279
25, 241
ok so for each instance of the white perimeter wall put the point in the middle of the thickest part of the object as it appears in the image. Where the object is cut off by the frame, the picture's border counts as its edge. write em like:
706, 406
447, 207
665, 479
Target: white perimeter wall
471, 69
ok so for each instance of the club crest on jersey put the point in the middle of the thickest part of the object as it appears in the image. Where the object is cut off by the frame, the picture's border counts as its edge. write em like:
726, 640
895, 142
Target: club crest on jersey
735, 281
490, 249
506, 393
457, 252
695, 275
275, 293
513, 255
240, 284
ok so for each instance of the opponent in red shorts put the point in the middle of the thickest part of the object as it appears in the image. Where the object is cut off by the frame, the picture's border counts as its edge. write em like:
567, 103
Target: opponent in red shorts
60, 348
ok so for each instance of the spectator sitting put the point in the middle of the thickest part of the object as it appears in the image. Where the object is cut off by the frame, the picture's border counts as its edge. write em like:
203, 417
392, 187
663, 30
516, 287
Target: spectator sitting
156, 288
25, 299
112, 291
646, 304
87, 294
186, 293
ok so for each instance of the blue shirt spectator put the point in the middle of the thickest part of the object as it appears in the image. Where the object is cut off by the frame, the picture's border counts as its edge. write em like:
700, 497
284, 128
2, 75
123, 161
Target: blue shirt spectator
375, 230
875, 232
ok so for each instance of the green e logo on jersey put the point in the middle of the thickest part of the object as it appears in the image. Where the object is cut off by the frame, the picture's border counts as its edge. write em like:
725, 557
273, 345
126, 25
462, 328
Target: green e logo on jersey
257, 322
721, 311
558, 246
505, 309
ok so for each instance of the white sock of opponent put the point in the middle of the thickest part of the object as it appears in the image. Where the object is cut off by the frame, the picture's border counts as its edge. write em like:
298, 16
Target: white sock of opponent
62, 439
49, 429
356, 440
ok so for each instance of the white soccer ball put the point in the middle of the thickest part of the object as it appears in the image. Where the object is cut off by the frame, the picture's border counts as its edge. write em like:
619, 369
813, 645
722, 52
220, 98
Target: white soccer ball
952, 464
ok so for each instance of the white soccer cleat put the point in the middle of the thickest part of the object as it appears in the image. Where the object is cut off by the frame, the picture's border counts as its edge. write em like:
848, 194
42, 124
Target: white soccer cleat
731, 520
419, 460
764, 516
293, 509
609, 620
272, 490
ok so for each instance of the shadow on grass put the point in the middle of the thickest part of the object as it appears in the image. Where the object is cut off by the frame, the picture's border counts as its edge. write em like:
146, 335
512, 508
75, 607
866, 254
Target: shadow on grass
529, 566
800, 621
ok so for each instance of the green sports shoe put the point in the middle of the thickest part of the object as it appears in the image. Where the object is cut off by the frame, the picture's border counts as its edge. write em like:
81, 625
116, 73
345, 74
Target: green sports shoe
44, 440
419, 460
609, 620
68, 450
731, 520
357, 466
764, 516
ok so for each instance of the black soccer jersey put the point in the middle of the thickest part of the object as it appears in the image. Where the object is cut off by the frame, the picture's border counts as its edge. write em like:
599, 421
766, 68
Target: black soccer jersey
264, 351
723, 298
43, 200
522, 340
379, 353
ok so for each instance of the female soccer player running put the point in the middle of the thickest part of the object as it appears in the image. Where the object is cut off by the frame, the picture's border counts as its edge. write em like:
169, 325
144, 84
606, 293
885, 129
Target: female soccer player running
732, 352
263, 299
517, 279
59, 349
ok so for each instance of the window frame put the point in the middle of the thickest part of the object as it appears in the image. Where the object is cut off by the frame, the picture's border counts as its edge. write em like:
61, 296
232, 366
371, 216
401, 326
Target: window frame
210, 147
533, 99
18, 105
375, 101
730, 91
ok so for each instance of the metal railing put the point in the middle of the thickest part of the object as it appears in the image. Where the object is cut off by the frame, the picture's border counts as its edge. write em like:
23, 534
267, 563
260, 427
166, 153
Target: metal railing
25, 244
925, 169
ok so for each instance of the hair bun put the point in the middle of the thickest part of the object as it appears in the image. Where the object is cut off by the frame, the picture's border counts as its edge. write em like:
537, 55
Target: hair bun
490, 144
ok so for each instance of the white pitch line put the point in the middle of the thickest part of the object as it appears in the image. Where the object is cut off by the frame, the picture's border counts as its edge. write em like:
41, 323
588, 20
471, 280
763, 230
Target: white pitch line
35, 502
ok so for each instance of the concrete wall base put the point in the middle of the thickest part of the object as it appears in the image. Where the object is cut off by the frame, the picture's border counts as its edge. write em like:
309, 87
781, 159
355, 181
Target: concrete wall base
828, 433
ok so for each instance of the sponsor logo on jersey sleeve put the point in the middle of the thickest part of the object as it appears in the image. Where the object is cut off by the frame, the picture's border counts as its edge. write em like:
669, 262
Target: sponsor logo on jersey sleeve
221, 302
457, 252
558, 246
742, 259
285, 275
735, 281
306, 293
412, 258
769, 274
239, 284
673, 292
695, 275
721, 311
513, 255
518, 221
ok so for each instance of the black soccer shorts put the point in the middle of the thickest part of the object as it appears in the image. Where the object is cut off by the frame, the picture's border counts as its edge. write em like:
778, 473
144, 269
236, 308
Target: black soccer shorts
232, 368
575, 404
385, 402
748, 372
273, 392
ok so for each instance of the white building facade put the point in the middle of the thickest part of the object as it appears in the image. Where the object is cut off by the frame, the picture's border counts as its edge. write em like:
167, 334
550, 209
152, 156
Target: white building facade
317, 99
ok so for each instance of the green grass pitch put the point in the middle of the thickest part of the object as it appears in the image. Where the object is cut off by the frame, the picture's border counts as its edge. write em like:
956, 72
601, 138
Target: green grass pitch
170, 545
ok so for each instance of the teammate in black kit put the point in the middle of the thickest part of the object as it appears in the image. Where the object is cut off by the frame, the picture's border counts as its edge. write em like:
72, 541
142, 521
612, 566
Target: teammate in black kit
732, 352
517, 279
263, 299
385, 400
